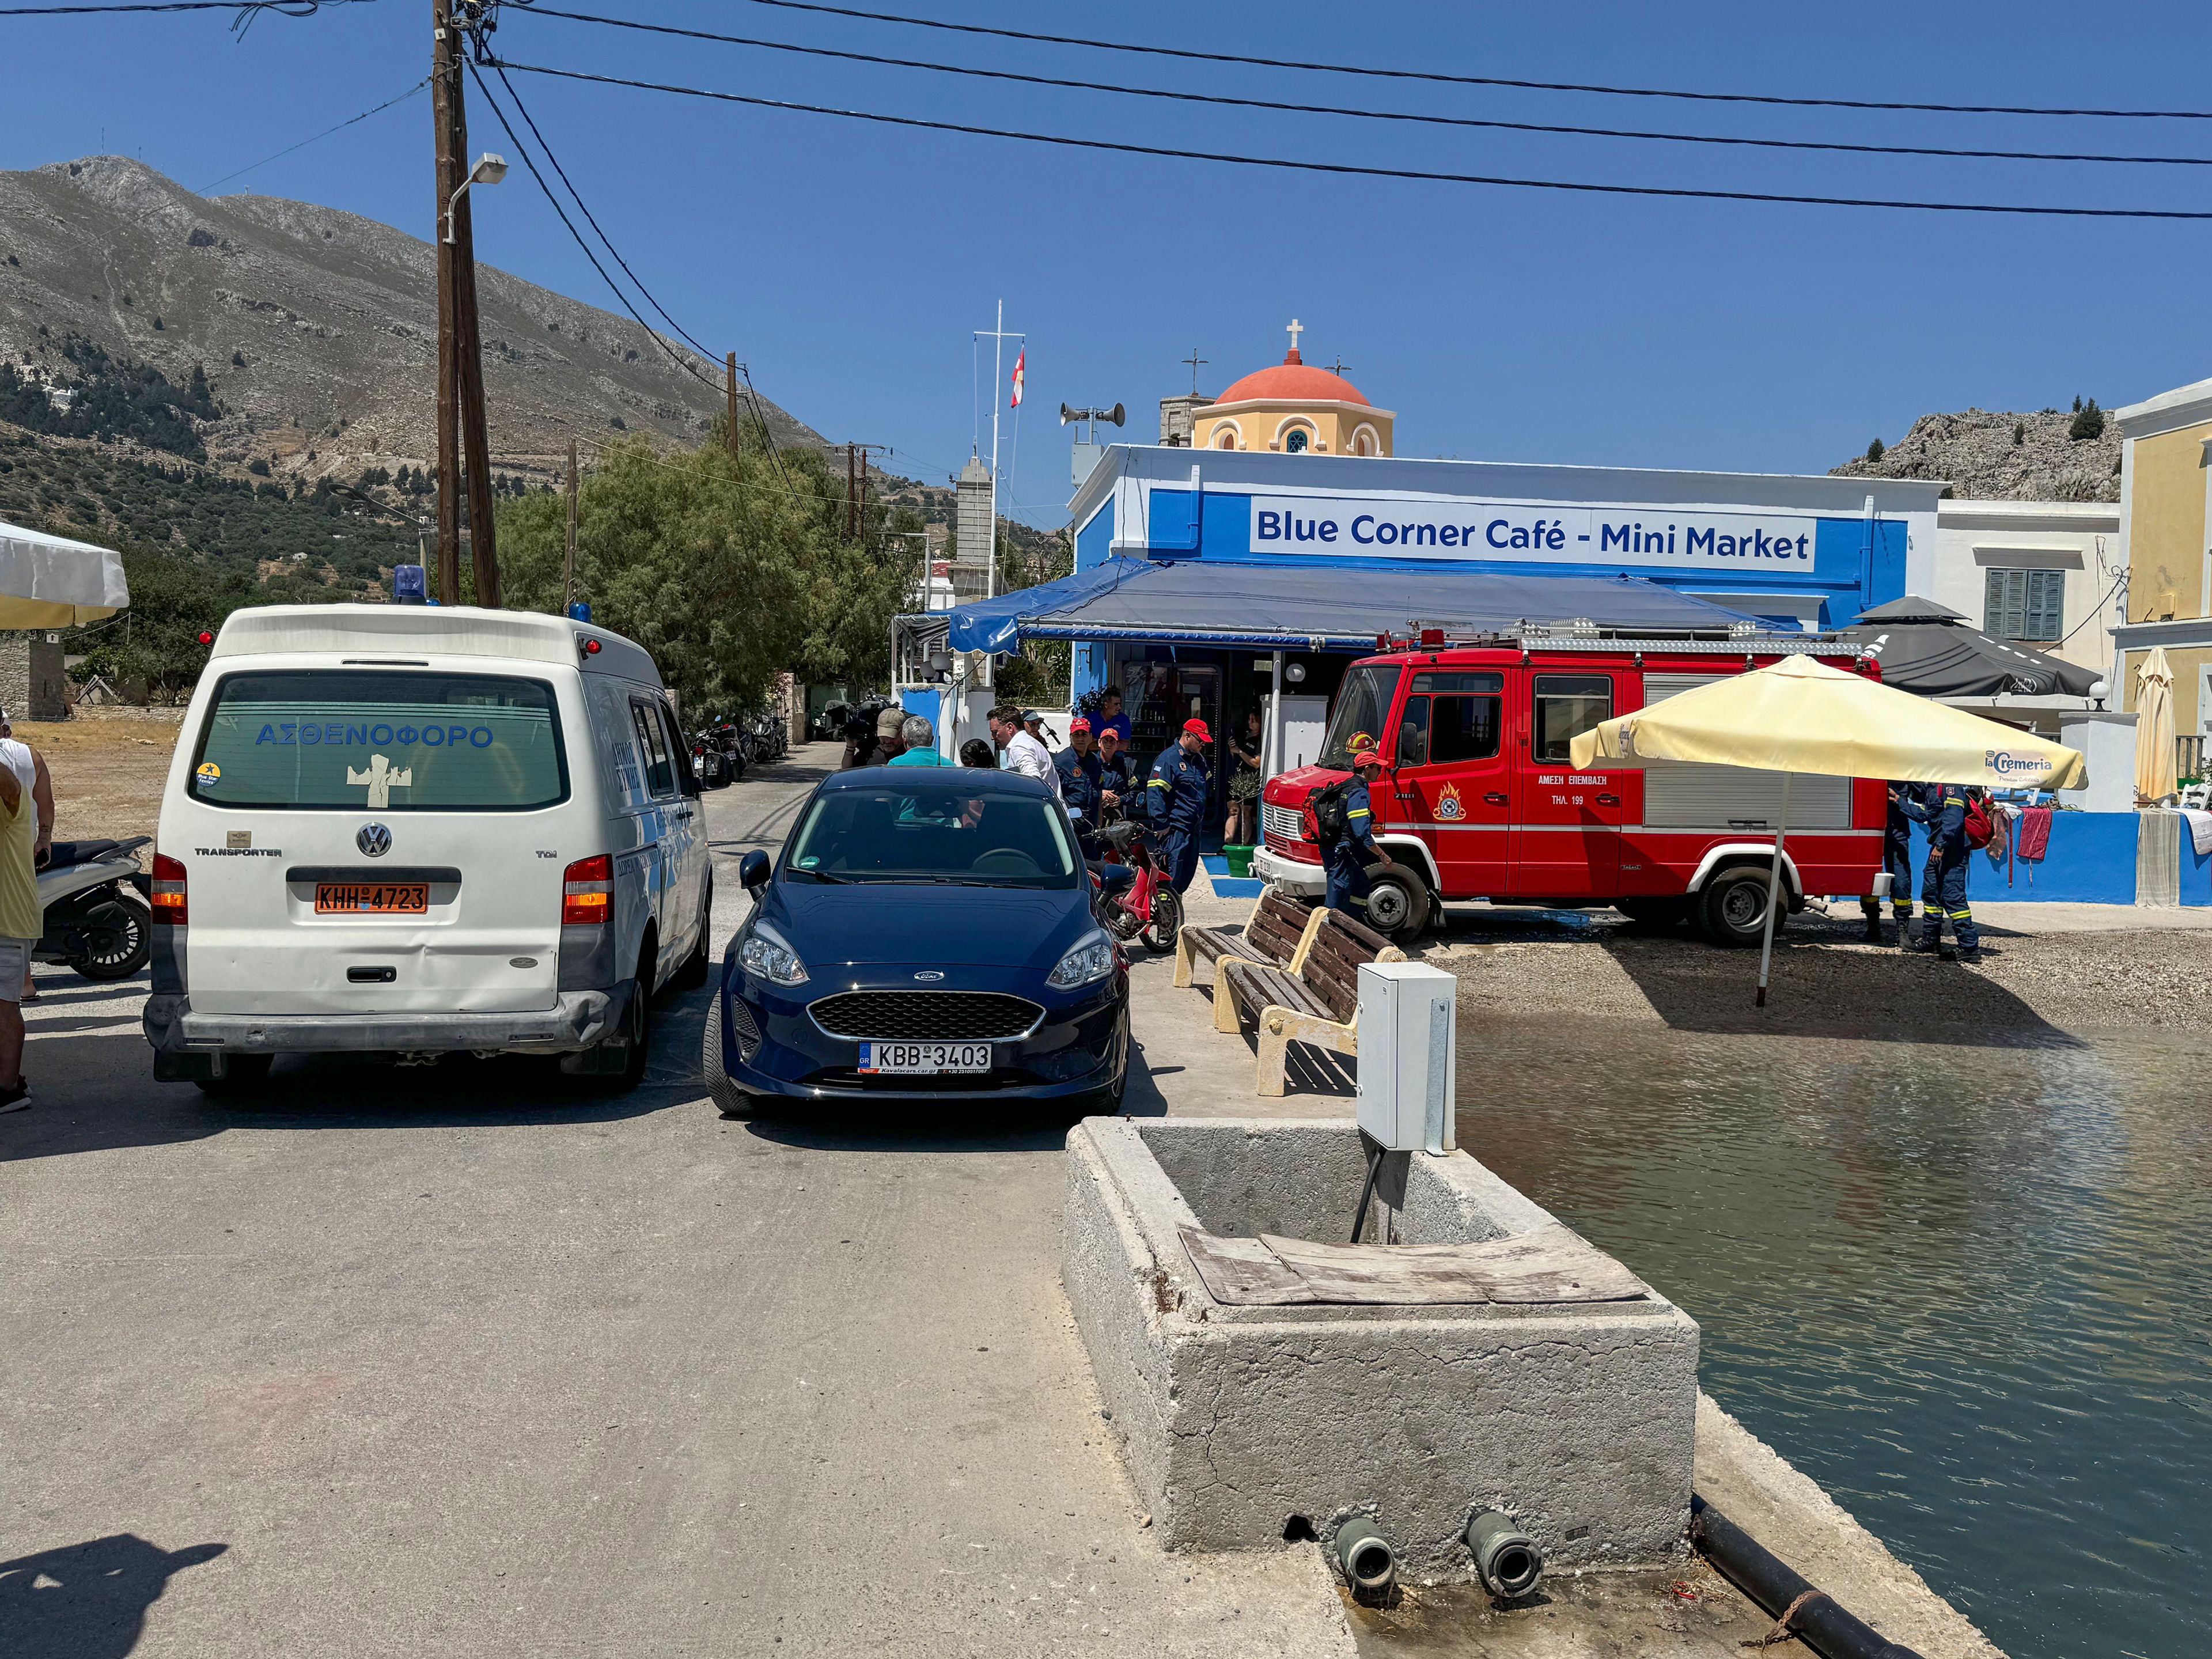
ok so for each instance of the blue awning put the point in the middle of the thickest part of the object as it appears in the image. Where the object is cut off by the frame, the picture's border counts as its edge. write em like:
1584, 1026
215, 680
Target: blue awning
1269, 607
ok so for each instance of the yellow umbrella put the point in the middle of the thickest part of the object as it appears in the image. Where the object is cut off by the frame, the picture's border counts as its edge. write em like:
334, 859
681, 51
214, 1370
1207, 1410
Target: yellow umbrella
2155, 775
1800, 715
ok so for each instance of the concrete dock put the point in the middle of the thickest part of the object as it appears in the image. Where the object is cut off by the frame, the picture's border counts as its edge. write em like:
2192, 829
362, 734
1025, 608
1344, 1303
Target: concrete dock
452, 1362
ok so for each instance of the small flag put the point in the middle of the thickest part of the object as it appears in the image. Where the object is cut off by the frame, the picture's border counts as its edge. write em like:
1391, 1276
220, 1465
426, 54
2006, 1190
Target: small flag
1019, 359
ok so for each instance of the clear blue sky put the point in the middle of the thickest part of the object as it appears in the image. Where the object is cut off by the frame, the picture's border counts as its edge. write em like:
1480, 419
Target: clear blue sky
849, 263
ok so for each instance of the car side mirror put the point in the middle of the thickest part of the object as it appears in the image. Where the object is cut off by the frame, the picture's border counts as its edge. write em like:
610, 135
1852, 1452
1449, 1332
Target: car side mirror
753, 870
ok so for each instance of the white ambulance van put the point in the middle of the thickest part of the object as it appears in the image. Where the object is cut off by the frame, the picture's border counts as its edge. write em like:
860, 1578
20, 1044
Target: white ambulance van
409, 830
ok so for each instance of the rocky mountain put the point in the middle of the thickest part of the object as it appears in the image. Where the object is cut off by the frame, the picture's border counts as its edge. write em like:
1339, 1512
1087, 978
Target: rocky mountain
316, 330
1989, 455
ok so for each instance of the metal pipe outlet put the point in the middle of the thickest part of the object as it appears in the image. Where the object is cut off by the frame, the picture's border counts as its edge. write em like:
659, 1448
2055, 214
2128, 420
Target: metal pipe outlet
1370, 1565
1799, 1610
1506, 1558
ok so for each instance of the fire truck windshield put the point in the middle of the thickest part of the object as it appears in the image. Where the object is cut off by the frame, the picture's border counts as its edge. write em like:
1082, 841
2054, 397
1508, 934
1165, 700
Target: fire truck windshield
1362, 708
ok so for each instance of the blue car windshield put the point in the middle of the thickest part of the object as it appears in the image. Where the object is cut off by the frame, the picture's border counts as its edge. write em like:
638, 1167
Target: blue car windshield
959, 827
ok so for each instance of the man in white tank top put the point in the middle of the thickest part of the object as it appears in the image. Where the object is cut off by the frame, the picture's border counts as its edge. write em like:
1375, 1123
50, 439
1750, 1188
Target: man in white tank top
30, 769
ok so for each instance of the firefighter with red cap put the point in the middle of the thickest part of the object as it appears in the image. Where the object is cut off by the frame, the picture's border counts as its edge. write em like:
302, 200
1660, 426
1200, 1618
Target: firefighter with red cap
1354, 847
1176, 796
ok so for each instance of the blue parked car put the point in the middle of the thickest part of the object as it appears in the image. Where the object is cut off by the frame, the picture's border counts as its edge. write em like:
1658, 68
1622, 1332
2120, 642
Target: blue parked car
927, 933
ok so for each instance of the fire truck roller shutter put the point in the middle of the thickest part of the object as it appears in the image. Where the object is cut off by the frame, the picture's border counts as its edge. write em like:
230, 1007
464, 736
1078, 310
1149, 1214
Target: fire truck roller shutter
1678, 795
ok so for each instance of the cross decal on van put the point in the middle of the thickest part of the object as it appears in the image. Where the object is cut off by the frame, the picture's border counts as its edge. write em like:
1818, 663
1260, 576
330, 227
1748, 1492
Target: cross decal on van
381, 780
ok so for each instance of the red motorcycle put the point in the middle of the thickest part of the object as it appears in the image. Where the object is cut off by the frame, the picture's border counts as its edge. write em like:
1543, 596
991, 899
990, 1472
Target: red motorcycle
1141, 906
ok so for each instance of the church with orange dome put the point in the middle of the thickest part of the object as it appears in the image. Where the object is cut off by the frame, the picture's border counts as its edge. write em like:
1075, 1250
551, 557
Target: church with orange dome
1292, 408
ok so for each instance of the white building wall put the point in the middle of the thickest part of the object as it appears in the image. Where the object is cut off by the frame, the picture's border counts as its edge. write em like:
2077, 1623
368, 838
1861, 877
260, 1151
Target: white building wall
2081, 540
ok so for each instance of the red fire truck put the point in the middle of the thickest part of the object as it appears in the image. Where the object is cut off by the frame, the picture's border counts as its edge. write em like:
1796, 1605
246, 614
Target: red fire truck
1479, 799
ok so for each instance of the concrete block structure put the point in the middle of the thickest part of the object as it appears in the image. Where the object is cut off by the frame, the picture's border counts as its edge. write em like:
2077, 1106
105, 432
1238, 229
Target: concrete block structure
33, 685
1241, 1424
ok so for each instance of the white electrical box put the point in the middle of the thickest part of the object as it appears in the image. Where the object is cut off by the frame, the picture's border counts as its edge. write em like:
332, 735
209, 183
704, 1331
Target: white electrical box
1408, 1048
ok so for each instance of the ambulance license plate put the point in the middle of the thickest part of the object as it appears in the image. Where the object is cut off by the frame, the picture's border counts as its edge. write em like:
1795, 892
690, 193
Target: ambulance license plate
923, 1059
406, 898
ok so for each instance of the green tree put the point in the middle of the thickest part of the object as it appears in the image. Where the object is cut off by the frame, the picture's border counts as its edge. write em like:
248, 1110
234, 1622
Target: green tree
2088, 421
1873, 450
174, 600
729, 570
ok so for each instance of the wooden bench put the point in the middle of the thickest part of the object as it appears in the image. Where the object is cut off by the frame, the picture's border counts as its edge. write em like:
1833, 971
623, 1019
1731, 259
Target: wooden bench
1319, 1004
1276, 935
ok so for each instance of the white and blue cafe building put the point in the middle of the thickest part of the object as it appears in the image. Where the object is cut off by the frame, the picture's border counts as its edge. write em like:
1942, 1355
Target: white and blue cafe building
1266, 548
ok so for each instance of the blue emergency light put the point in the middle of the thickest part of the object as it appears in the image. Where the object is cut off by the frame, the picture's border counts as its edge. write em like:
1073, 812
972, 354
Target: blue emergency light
580, 610
407, 585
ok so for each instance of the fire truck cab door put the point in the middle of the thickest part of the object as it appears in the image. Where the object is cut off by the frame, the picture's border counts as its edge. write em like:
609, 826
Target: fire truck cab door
1567, 832
1452, 780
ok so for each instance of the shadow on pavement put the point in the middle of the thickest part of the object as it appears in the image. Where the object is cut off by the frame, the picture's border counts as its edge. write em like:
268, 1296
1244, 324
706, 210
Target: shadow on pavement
95, 1093
959, 1126
1818, 989
86, 1601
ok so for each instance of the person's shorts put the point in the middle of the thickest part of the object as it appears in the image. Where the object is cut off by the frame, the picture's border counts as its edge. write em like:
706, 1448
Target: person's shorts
15, 965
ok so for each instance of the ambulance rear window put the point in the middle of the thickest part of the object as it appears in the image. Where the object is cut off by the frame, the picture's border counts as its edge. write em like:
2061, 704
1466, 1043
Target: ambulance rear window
381, 741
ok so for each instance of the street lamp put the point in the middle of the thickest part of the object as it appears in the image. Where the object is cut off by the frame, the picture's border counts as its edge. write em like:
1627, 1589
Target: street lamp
489, 170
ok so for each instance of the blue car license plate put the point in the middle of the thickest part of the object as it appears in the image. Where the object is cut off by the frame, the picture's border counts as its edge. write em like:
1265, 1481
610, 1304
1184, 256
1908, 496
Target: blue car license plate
924, 1059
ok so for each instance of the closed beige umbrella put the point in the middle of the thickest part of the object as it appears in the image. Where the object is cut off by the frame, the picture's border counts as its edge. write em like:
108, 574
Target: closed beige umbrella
2154, 778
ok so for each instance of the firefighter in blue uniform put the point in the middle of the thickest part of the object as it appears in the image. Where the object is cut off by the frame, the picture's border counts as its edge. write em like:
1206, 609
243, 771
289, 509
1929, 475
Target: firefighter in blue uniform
1942, 808
1080, 775
1176, 796
1351, 854
1897, 861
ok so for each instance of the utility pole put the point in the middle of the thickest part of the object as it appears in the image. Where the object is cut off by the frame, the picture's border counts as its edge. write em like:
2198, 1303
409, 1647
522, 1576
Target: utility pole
732, 364
852, 501
568, 566
463, 447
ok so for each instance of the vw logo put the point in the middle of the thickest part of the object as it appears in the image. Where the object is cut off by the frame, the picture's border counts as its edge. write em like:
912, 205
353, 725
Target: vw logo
930, 974
374, 840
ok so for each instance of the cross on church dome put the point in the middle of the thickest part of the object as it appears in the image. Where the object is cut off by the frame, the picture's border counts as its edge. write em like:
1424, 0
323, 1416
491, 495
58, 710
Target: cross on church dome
1296, 329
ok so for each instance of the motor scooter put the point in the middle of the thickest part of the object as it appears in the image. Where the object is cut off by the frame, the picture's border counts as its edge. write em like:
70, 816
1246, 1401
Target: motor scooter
96, 900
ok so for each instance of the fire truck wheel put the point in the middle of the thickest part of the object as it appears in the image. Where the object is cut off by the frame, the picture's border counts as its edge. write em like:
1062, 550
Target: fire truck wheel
1732, 910
1397, 901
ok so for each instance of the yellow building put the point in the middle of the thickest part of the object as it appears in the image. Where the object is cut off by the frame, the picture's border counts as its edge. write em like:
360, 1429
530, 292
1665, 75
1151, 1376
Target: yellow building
2166, 482
1293, 407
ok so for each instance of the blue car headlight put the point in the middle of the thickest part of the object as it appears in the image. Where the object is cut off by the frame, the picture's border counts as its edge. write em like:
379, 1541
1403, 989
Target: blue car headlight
1093, 958
766, 954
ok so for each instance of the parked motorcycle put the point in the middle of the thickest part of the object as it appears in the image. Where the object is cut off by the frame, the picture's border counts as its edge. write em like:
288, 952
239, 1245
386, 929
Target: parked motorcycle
98, 917
1141, 906
707, 764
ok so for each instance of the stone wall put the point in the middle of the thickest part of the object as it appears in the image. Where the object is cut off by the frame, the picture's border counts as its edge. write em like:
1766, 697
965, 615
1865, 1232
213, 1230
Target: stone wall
32, 684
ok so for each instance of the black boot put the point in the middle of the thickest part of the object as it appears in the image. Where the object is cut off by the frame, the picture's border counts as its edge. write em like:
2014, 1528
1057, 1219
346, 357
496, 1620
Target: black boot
1872, 930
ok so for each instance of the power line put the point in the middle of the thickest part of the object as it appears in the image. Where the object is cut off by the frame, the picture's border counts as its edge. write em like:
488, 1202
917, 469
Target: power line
1355, 170
575, 195
318, 138
1480, 80
1469, 121
675, 356
767, 438
283, 8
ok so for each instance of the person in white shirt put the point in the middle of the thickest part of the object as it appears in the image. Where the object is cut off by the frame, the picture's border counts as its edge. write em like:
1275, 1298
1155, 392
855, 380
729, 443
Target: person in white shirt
30, 769
1023, 753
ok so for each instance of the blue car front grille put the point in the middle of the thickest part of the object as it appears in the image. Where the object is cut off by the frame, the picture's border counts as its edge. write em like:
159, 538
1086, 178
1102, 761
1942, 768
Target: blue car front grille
926, 1016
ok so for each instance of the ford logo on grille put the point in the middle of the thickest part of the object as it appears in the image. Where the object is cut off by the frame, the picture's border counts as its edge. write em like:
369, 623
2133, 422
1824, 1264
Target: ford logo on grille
929, 973
374, 840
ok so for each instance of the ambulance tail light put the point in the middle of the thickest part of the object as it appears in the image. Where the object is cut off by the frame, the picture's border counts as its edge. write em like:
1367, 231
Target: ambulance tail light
586, 890
168, 894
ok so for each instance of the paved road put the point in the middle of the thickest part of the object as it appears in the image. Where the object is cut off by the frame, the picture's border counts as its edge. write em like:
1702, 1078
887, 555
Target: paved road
445, 1361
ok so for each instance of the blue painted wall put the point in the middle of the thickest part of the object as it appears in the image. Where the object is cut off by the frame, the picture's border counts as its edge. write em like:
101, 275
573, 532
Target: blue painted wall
2091, 860
2196, 871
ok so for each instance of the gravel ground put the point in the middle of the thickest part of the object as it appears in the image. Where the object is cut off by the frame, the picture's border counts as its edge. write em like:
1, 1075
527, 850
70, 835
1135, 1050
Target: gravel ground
2026, 987
108, 767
